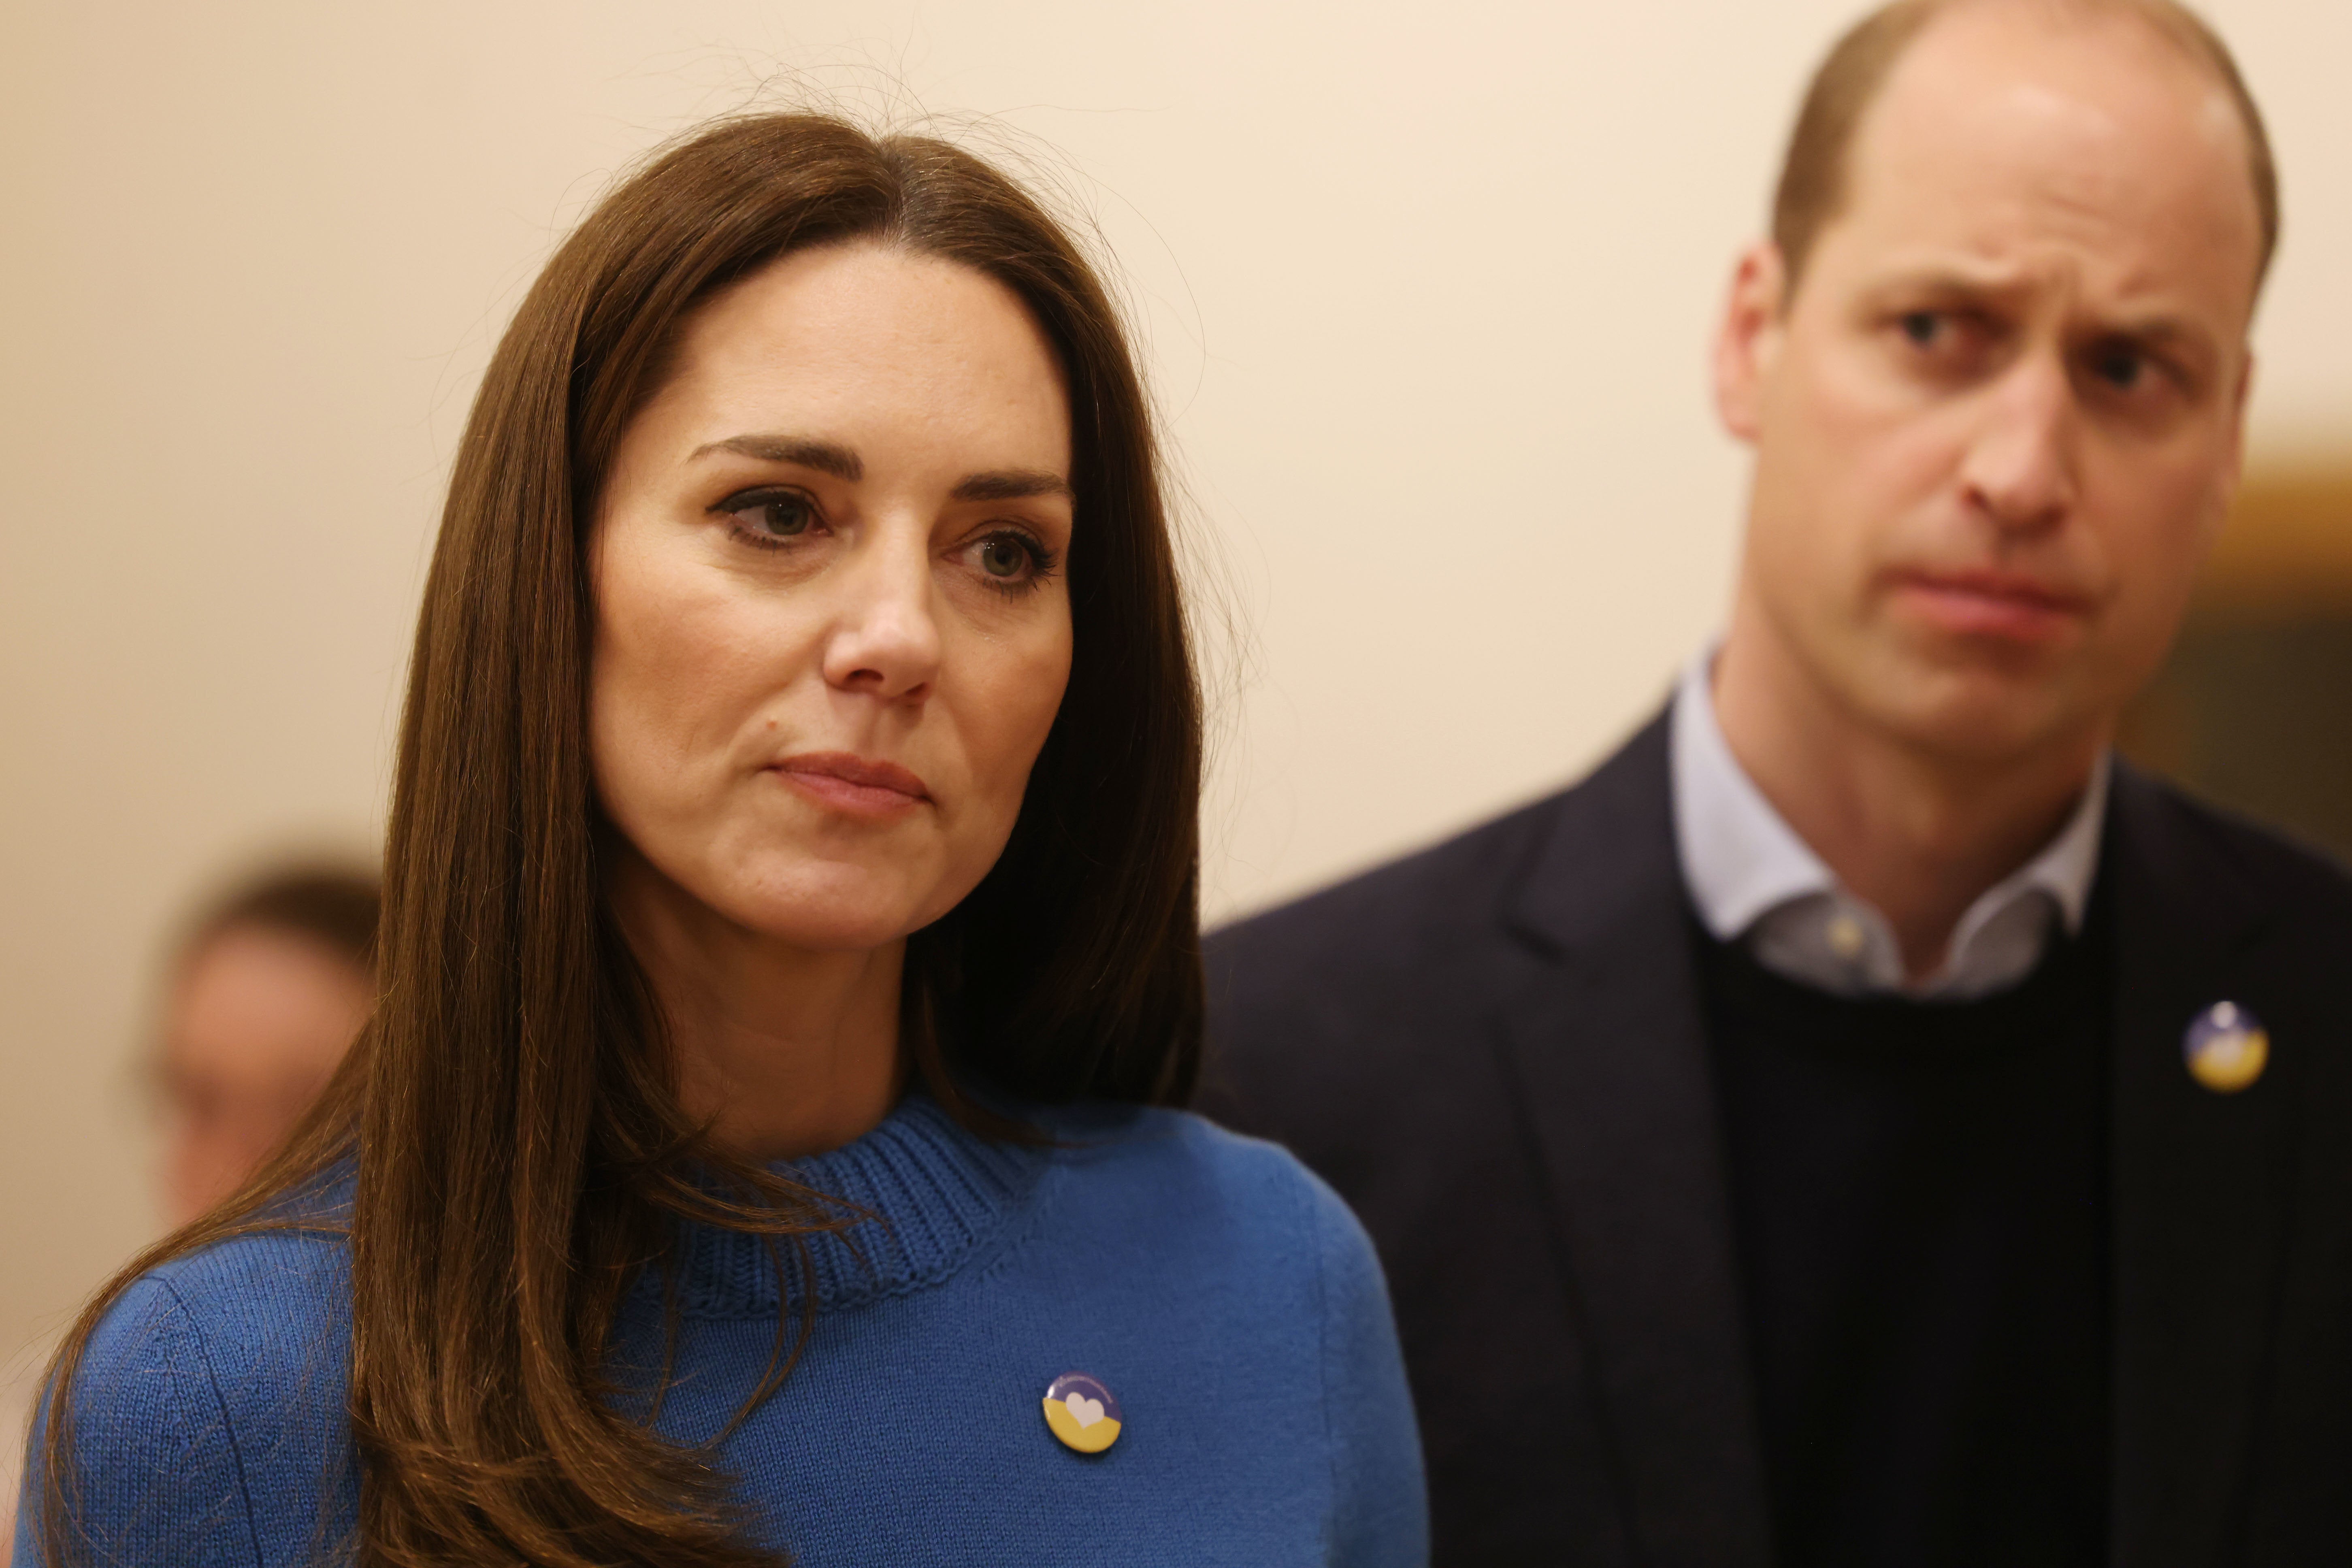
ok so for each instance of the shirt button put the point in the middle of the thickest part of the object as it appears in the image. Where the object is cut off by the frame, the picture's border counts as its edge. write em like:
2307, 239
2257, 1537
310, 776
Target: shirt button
1082, 1413
1846, 937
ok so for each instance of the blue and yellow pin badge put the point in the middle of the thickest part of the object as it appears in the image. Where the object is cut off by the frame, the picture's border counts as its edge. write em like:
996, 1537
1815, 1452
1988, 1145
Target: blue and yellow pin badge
2226, 1048
1082, 1413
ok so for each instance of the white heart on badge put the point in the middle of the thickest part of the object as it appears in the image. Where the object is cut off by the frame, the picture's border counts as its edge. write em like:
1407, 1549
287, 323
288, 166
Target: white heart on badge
1084, 1411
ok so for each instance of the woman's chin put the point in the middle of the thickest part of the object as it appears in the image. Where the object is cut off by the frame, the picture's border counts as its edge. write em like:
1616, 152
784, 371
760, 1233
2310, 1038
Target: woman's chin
834, 913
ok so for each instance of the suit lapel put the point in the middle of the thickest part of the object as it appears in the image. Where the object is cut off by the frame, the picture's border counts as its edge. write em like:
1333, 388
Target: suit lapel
2202, 1183
1606, 1040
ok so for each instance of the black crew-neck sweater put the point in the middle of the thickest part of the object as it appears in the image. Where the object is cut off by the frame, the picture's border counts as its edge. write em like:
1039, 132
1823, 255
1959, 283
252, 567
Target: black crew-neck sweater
1918, 1194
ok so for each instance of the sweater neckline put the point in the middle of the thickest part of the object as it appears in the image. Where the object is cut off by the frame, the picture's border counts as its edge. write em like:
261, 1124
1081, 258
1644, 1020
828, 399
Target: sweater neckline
938, 1195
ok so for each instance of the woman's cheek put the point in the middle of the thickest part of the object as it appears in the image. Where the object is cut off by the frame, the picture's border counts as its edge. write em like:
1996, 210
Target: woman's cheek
1031, 696
1005, 714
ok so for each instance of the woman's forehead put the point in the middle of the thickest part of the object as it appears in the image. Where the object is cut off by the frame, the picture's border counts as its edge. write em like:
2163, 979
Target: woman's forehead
873, 351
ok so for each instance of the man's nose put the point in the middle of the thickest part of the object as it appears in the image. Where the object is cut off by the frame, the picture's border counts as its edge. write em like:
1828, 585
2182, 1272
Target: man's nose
885, 641
2020, 468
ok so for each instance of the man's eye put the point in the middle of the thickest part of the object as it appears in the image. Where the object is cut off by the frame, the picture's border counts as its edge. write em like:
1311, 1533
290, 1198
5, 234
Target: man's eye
1923, 327
770, 514
2118, 367
1950, 340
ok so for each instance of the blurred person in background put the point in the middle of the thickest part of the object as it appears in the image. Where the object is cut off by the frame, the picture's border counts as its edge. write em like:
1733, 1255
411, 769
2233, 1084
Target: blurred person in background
265, 994
1864, 1123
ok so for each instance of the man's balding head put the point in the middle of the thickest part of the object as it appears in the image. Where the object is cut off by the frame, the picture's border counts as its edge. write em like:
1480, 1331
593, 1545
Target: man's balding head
1814, 174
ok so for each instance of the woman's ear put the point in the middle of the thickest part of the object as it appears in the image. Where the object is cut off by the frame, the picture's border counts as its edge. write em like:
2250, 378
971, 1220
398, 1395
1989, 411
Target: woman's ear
1749, 340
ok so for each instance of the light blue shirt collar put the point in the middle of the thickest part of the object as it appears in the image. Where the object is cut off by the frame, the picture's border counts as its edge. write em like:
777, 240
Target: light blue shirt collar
1755, 882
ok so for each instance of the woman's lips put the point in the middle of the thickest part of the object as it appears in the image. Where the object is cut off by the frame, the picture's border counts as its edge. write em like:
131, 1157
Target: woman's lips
859, 786
1992, 604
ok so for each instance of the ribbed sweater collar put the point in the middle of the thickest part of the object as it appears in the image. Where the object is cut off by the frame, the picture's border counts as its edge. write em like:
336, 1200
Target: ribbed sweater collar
939, 1195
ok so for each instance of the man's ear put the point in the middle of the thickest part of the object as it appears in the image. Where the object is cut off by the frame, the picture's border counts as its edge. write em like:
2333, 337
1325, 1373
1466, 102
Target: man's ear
2233, 468
1749, 340
2240, 395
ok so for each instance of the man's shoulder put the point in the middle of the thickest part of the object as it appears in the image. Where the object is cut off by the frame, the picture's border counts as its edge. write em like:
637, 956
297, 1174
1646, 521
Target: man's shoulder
1367, 992
1456, 903
2193, 843
1446, 892
1322, 1009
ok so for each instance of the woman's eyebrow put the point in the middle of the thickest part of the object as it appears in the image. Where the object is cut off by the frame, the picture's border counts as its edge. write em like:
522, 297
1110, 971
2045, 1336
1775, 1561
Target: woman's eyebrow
1013, 484
825, 457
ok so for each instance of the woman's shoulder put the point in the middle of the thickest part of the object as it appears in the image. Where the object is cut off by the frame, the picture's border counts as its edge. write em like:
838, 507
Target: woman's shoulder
1247, 1201
261, 1321
210, 1392
260, 1302
253, 1300
1150, 1143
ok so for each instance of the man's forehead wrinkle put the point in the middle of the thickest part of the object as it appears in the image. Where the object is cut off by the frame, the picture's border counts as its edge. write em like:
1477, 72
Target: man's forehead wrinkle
1944, 280
2137, 298
2005, 159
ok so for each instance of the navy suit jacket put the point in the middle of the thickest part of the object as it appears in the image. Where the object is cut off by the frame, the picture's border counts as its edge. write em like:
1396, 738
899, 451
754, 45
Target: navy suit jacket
1495, 1051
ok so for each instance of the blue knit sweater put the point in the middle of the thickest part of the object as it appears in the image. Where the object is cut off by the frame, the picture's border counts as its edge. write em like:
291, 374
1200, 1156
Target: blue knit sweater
1226, 1298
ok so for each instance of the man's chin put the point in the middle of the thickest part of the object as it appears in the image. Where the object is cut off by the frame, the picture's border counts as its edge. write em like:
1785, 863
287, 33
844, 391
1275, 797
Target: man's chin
1975, 715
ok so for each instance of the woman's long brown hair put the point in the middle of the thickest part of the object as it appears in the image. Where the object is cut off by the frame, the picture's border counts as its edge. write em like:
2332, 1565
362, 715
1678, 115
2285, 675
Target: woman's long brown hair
520, 1155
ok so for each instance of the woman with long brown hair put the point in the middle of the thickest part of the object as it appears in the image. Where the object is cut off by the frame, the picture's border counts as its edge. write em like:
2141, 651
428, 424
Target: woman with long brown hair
759, 1149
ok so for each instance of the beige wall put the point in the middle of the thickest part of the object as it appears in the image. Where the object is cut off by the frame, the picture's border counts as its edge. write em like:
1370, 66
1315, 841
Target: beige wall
1426, 289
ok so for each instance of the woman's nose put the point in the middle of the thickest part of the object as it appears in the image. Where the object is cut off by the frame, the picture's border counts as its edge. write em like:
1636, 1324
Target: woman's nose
885, 641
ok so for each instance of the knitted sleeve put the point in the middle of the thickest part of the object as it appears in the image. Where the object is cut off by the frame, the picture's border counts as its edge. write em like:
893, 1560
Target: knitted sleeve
1379, 1514
155, 1476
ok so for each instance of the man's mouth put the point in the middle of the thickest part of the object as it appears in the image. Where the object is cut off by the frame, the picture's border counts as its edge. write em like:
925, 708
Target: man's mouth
2011, 605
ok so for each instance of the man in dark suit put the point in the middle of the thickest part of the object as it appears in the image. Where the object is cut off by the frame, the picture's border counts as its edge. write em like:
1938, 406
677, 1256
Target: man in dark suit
1862, 1123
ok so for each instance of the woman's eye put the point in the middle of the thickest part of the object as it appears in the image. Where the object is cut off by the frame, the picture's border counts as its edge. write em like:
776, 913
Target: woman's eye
771, 515
1004, 556
1011, 561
